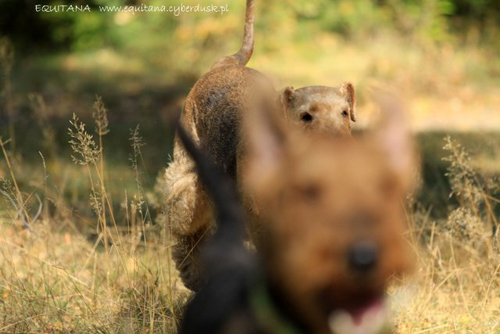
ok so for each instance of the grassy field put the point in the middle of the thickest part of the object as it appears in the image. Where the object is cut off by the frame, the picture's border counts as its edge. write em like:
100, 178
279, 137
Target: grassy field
81, 250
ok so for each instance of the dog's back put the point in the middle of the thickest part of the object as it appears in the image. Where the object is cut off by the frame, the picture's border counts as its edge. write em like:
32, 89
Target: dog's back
215, 106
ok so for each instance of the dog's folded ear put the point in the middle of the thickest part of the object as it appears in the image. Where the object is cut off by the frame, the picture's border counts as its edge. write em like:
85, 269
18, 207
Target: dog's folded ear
393, 135
285, 98
347, 90
287, 94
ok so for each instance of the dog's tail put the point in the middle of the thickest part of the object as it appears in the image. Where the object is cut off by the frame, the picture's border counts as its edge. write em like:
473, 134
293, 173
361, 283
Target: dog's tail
229, 213
246, 50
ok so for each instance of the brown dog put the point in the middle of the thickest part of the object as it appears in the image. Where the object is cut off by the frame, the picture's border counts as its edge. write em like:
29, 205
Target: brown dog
336, 223
212, 115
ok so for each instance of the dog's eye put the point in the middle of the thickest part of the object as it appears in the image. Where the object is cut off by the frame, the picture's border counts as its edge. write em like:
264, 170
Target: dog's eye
345, 113
306, 117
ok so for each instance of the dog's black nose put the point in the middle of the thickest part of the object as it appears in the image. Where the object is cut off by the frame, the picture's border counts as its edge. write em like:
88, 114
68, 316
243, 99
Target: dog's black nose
363, 256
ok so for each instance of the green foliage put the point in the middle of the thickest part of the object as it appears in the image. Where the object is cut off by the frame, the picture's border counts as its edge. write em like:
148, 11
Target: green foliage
348, 17
431, 20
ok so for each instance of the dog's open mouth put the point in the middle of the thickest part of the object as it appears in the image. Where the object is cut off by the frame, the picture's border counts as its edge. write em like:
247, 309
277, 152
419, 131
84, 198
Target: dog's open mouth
367, 318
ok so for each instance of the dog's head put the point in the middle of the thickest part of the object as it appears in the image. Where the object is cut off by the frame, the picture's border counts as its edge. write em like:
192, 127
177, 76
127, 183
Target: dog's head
337, 222
321, 108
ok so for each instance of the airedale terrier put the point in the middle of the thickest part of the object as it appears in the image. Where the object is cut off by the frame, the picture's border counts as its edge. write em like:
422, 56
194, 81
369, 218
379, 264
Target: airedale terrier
335, 234
212, 116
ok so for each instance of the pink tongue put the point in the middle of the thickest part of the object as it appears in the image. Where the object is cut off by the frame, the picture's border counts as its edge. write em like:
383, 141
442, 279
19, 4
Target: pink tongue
358, 312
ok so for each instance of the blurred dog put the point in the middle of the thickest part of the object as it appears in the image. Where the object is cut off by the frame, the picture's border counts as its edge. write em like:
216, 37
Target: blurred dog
212, 115
336, 222
334, 235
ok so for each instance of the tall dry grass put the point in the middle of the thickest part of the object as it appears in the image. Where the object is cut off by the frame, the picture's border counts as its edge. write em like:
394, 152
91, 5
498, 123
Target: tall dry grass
55, 278
457, 286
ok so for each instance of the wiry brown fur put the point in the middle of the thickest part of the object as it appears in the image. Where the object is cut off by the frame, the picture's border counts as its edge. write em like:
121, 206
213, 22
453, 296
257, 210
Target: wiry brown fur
213, 116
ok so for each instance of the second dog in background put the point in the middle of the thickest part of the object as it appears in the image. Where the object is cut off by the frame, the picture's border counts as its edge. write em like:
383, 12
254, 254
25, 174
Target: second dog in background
213, 117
